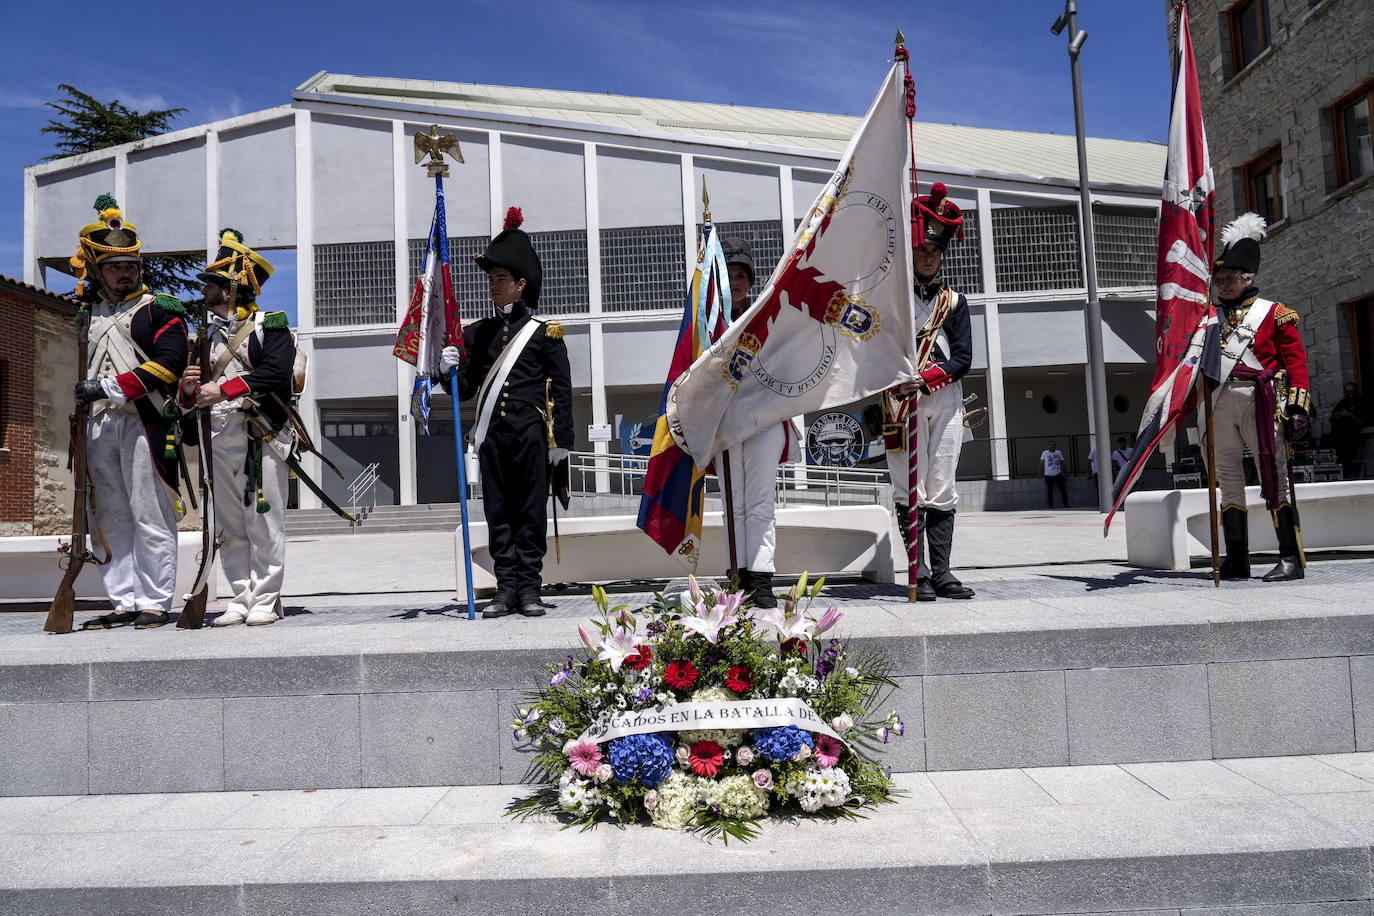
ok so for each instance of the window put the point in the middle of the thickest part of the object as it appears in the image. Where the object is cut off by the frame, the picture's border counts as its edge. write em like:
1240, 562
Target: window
1126, 239
1362, 329
962, 264
1249, 23
355, 283
1036, 248
1350, 123
1264, 188
642, 268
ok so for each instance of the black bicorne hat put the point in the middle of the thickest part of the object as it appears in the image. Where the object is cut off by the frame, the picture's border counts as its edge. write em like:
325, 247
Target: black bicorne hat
513, 251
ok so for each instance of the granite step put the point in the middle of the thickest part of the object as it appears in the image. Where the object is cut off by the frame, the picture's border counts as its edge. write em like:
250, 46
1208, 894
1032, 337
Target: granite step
1288, 835
377, 692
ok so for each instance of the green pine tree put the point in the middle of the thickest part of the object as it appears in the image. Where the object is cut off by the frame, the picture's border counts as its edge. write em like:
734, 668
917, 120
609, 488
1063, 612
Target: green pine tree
85, 124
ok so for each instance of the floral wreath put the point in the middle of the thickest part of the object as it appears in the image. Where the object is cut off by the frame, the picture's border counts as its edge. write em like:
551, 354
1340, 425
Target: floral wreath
703, 713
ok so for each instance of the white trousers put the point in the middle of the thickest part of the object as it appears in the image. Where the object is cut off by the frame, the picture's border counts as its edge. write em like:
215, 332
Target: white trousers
753, 476
1233, 412
133, 512
940, 436
252, 549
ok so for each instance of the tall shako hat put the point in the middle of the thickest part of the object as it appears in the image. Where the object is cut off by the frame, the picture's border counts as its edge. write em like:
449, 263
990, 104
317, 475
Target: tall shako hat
1240, 243
937, 218
236, 261
513, 251
737, 251
107, 240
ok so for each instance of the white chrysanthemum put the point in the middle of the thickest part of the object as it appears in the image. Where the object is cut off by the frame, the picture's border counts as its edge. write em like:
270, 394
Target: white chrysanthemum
677, 802
819, 787
576, 795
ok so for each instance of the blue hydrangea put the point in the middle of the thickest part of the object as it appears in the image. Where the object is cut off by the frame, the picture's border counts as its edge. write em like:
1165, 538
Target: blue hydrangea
781, 743
648, 758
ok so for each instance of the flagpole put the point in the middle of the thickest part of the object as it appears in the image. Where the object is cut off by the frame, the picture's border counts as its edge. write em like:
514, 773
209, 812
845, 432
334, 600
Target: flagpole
1211, 476
728, 487
913, 545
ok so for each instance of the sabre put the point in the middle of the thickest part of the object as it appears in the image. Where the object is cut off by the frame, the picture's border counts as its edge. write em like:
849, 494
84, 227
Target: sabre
548, 423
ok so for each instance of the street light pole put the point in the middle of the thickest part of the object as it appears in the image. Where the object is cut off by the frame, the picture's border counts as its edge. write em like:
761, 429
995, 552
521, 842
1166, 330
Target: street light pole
1096, 360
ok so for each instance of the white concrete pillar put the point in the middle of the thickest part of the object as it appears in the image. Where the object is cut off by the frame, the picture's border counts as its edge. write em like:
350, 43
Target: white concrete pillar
212, 205
596, 339
121, 183
992, 329
690, 199
33, 274
305, 294
401, 159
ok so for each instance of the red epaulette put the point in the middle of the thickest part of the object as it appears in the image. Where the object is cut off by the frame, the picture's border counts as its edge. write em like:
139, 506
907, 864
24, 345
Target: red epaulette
1284, 315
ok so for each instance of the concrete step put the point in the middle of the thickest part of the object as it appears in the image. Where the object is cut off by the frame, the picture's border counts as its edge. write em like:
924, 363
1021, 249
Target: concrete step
370, 690
1291, 835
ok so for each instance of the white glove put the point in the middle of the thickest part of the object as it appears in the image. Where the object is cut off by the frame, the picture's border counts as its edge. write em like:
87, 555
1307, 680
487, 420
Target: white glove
449, 358
557, 455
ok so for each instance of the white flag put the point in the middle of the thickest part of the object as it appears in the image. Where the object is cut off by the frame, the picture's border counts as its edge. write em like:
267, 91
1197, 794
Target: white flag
835, 322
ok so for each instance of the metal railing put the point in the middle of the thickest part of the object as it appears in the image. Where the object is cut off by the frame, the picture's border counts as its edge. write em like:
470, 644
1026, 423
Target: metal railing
362, 494
795, 484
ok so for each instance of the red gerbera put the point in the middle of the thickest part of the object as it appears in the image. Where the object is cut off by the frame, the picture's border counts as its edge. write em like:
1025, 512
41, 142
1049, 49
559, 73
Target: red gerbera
680, 675
740, 679
642, 657
706, 758
795, 646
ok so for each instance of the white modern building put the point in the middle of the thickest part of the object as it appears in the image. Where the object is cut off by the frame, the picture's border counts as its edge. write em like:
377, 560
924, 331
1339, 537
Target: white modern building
611, 191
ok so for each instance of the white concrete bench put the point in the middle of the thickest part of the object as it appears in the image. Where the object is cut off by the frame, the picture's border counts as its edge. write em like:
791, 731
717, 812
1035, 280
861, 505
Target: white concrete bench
819, 540
1165, 528
31, 570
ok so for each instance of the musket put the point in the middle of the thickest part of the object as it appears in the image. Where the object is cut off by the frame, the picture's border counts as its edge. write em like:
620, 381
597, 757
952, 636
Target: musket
193, 614
76, 552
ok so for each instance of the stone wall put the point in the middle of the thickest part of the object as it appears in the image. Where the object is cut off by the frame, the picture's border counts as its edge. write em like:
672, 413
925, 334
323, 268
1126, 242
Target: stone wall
54, 372
1318, 257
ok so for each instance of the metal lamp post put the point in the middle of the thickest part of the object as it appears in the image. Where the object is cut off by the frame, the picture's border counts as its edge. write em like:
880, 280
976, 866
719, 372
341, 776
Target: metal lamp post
1096, 360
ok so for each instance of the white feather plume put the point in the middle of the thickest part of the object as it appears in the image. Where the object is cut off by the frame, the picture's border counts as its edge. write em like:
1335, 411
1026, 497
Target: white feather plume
1245, 226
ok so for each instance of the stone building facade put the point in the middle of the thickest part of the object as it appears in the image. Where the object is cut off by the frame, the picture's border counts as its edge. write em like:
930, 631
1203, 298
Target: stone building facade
1287, 87
37, 367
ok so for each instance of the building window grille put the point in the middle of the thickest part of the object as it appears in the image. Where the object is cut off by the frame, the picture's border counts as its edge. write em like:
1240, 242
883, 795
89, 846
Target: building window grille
1354, 155
1249, 27
1264, 190
355, 284
642, 268
765, 240
563, 255
1036, 248
1127, 245
962, 264
469, 280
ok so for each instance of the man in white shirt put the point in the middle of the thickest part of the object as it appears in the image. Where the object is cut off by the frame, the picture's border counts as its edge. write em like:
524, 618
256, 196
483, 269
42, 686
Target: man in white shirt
1121, 455
1052, 467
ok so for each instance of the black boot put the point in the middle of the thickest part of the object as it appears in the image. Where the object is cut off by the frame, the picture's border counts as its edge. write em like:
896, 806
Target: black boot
745, 580
941, 536
1290, 546
761, 590
1235, 526
925, 591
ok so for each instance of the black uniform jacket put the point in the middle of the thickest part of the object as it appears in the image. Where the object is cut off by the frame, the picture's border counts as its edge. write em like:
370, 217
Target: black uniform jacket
521, 401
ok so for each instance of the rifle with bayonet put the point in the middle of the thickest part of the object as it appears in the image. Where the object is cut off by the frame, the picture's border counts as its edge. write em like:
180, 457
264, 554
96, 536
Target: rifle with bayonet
76, 552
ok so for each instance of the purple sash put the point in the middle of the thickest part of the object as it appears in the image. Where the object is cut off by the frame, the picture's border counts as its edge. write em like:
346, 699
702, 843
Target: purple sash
1265, 410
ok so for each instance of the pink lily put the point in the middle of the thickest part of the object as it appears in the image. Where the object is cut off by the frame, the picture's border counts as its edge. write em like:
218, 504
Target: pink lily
586, 637
710, 621
831, 617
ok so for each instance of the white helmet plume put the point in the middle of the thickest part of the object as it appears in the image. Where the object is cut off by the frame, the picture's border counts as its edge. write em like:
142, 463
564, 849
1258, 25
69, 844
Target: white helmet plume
1245, 226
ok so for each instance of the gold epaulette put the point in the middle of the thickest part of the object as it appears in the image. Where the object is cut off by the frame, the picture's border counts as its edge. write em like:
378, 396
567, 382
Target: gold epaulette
554, 330
1284, 315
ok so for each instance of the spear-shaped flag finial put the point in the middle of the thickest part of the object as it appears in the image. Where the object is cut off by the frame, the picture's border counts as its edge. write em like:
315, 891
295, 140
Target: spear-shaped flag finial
901, 39
705, 203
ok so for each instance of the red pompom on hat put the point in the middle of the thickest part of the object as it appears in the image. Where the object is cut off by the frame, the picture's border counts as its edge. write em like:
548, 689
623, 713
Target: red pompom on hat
513, 218
938, 219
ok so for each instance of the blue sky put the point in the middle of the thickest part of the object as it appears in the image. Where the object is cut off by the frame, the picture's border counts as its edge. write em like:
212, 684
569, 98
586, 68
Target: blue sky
985, 63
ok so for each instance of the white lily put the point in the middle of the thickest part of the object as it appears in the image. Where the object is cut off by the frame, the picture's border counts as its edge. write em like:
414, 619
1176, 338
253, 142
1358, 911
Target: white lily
617, 647
789, 626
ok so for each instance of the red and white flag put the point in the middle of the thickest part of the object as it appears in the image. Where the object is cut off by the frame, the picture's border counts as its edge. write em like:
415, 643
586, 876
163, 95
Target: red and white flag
835, 322
1185, 319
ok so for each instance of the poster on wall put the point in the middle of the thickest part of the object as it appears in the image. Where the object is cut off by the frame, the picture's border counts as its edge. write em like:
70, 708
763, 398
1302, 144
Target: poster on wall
636, 437
836, 440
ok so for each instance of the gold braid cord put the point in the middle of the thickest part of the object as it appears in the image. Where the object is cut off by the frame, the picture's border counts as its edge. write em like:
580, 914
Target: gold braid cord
78, 260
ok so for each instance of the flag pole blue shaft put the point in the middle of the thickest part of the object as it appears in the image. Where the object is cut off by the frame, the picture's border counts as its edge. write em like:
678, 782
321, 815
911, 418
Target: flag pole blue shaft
462, 490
